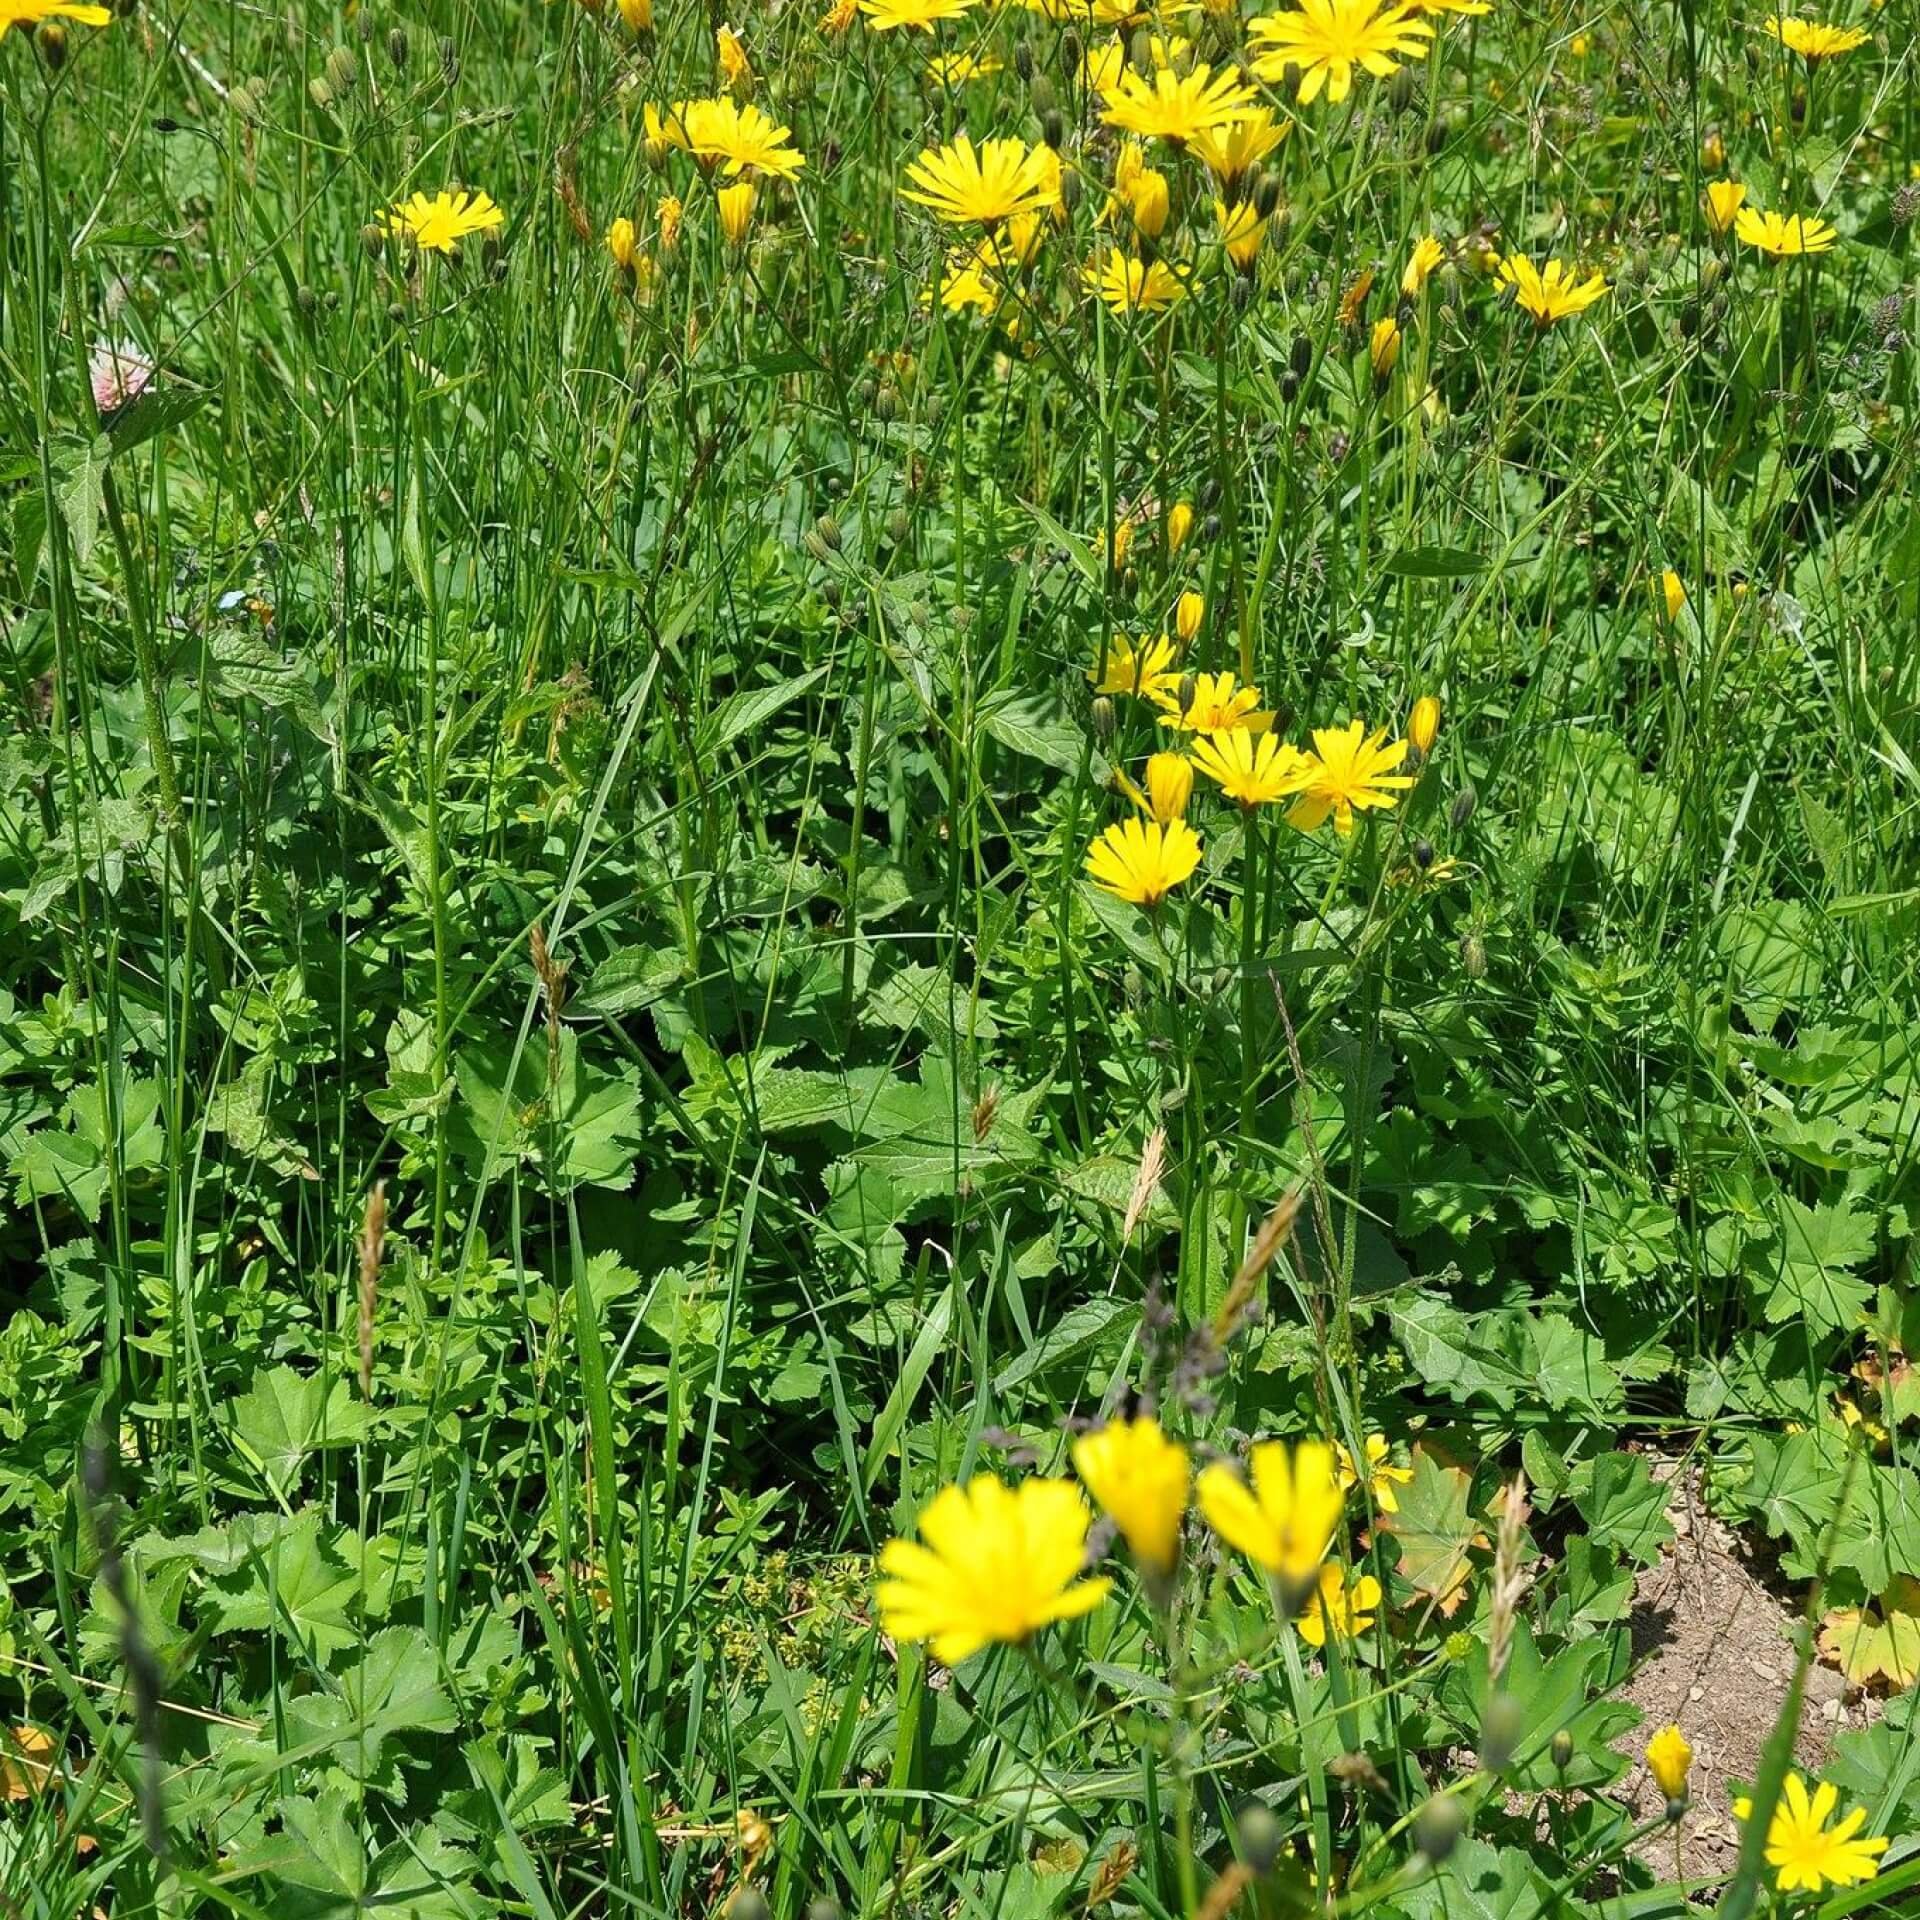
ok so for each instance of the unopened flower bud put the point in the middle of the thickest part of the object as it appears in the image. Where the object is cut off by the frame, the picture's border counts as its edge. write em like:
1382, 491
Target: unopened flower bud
397, 48
1259, 1834
1189, 692
1501, 1726
1437, 1827
828, 528
1072, 50
305, 299
366, 25
899, 526
1401, 89
1473, 956
749, 1904
1053, 130
1561, 1751
1189, 610
1300, 355
320, 93
1023, 62
51, 45
1906, 204
374, 239
1266, 193
1461, 811
1040, 92
824, 1908
1436, 136
343, 71
1103, 717
1423, 854
449, 60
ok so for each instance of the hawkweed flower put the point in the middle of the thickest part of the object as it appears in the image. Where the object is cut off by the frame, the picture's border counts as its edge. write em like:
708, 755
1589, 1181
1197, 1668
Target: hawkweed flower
1722, 203
1552, 293
736, 211
1338, 1606
1169, 788
721, 133
993, 1565
1148, 201
1326, 39
1254, 769
922, 16
1781, 235
1383, 349
1427, 254
956, 69
1813, 40
1174, 106
1423, 725
622, 242
1231, 152
1146, 671
1217, 706
1242, 231
1284, 1521
1129, 284
1669, 1760
1382, 1476
1350, 770
1179, 524
638, 15
669, 214
736, 71
1673, 593
1188, 612
1807, 1853
1140, 1478
965, 186
1143, 861
438, 225
838, 18
30, 13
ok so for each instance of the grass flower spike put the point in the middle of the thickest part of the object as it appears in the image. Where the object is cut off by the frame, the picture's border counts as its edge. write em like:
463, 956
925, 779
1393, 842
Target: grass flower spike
1782, 235
1143, 861
1327, 39
1253, 768
969, 187
993, 1565
1284, 1521
1350, 770
1141, 1479
438, 225
1338, 1606
1808, 1854
1813, 40
1552, 293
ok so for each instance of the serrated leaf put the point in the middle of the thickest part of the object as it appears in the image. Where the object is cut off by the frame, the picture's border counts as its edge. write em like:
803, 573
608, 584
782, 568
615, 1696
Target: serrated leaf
1624, 1508
79, 491
285, 1417
1867, 1645
744, 712
290, 1584
1435, 1529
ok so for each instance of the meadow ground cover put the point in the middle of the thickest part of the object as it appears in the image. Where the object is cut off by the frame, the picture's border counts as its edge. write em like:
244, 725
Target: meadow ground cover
931, 936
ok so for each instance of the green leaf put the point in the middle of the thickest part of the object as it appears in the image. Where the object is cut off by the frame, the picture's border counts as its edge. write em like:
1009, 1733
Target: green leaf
289, 1583
79, 490
1448, 1352
1435, 563
1035, 725
285, 1417
1805, 1273
1435, 1528
164, 405
1625, 1510
746, 712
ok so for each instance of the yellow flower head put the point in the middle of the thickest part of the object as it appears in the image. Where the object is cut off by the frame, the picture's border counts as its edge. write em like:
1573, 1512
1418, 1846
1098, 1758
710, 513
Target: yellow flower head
838, 18
29, 13
1179, 524
1242, 231
1147, 199
1253, 768
1383, 349
1188, 611
1724, 199
735, 69
1139, 1477
1217, 706
1344, 1607
1780, 235
1423, 725
621, 240
1169, 788
638, 14
1146, 670
1550, 293
1285, 1520
1175, 106
1382, 1475
1143, 861
1349, 769
1673, 593
993, 1564
1129, 284
440, 224
1807, 1853
669, 213
737, 139
1814, 40
1326, 39
1427, 254
923, 15
1669, 1758
1231, 152
965, 186
736, 210
956, 69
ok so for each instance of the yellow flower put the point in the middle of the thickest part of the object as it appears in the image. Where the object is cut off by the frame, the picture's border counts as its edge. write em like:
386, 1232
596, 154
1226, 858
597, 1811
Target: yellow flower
1724, 199
1169, 788
1131, 285
1284, 1522
1147, 201
1384, 348
956, 69
1252, 768
1179, 524
1188, 611
1139, 1477
1549, 294
440, 224
1143, 861
1349, 769
1382, 1475
1345, 1607
669, 214
735, 69
1146, 670
1218, 706
620, 243
1230, 153
1427, 254
1778, 235
29, 13
1327, 39
994, 1564
1814, 40
638, 14
736, 210
1808, 1853
1673, 593
1241, 231
1175, 106
963, 185
925, 15
1448, 6
1423, 724
1668, 1759
720, 132
838, 18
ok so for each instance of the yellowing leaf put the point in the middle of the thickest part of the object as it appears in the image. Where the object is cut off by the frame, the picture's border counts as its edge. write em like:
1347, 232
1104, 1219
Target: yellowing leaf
1435, 1529
1867, 1646
27, 1765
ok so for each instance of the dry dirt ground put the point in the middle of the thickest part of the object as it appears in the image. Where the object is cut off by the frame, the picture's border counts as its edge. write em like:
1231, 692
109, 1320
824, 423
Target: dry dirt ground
1711, 1651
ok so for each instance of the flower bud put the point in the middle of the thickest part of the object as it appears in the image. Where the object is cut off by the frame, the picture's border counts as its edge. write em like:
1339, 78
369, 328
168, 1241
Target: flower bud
365, 25
1023, 62
1266, 193
1401, 89
1188, 611
1072, 51
449, 60
1103, 717
899, 526
1437, 1827
1461, 811
1053, 130
749, 1904
1423, 724
374, 239
1040, 92
320, 93
824, 1908
1501, 1726
828, 528
1189, 692
398, 49
50, 43
1259, 1835
1436, 136
1473, 956
1179, 525
343, 72
1423, 854
305, 299
1169, 785
1561, 1751
1300, 355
